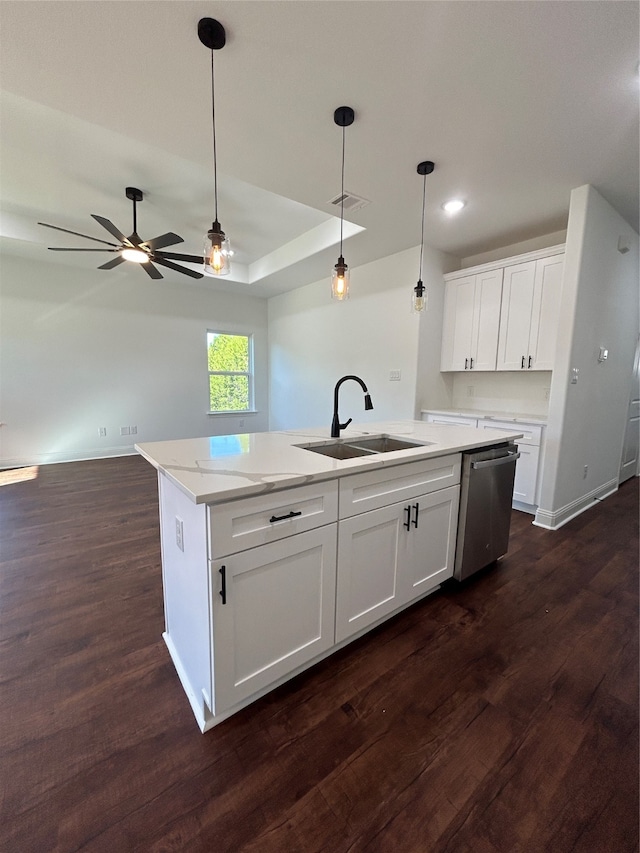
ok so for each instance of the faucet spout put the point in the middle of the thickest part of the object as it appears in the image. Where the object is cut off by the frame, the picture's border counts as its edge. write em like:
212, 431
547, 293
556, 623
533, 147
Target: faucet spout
336, 426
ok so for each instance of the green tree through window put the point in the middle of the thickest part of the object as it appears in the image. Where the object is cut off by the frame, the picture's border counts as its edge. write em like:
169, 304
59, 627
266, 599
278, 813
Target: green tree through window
230, 377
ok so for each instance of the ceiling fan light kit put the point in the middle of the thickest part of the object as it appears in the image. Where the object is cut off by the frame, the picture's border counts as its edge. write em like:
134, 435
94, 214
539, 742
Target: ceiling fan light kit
217, 250
145, 253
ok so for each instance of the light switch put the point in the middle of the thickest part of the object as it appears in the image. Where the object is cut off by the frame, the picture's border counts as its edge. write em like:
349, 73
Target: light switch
603, 355
574, 375
394, 376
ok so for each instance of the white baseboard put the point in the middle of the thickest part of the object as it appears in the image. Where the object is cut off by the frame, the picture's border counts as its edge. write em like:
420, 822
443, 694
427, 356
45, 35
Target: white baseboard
67, 456
555, 519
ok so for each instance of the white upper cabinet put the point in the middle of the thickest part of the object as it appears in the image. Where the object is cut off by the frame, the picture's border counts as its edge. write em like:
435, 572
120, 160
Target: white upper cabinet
503, 315
545, 312
471, 320
529, 315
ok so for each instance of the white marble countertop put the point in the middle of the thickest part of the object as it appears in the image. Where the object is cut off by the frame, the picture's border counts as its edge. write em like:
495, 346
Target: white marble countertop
496, 416
224, 467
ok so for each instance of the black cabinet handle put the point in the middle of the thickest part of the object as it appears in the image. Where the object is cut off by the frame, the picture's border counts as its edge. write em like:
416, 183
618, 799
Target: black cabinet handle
407, 523
466, 363
417, 509
529, 361
471, 363
292, 514
223, 591
522, 364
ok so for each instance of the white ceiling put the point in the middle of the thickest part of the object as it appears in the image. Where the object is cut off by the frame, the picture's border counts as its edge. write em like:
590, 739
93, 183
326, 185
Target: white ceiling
516, 102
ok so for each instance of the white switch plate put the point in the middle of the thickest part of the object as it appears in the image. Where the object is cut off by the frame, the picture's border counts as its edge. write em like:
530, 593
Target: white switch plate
179, 533
574, 375
394, 375
125, 430
102, 431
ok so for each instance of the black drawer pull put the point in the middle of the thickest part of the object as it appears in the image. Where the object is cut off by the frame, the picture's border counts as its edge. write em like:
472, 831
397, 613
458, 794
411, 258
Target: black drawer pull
223, 591
292, 514
522, 363
417, 509
530, 360
471, 363
407, 523
466, 363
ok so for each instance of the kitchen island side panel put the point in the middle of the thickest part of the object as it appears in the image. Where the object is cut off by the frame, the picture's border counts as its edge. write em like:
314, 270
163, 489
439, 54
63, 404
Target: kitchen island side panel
183, 530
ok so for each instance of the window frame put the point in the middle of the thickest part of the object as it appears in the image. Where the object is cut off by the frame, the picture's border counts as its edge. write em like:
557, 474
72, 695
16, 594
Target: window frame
249, 373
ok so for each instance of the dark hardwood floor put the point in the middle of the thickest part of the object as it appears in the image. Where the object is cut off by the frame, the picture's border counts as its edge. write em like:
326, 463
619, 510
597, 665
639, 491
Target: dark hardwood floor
499, 715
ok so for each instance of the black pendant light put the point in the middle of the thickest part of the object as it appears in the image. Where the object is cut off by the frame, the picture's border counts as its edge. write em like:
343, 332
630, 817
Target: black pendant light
343, 117
217, 251
419, 298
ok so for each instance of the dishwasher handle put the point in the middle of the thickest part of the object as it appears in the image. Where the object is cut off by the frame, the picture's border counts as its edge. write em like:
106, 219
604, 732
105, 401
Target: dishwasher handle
511, 456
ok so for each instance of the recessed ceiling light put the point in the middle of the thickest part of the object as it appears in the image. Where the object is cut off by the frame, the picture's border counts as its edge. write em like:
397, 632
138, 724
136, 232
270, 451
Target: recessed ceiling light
453, 206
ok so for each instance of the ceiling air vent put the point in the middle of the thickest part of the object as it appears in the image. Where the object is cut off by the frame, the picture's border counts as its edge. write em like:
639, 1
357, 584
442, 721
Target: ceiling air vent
350, 201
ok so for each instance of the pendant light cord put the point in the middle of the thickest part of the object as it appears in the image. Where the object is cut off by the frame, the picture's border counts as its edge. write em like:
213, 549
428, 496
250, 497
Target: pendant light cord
424, 196
213, 121
342, 192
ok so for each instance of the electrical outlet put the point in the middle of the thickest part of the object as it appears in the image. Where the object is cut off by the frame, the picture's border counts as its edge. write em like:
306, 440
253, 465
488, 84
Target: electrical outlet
470, 391
394, 375
585, 472
574, 375
133, 430
102, 432
125, 430
241, 423
180, 533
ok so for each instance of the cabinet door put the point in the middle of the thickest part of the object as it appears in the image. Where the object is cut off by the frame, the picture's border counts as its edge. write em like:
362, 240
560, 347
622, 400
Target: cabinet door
367, 582
427, 550
457, 328
486, 320
544, 314
526, 479
278, 614
515, 316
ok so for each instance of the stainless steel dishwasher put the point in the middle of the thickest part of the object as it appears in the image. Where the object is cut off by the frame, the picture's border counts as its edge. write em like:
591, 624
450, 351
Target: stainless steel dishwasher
486, 493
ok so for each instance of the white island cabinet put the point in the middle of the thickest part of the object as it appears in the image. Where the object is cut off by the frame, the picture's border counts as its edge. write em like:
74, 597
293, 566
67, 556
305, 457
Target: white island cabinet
274, 556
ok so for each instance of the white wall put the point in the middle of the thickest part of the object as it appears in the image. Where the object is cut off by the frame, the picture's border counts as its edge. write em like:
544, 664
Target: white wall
508, 392
599, 308
80, 350
313, 341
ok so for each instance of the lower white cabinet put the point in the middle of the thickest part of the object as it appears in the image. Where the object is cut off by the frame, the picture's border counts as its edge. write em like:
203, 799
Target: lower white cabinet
302, 580
273, 610
526, 485
389, 556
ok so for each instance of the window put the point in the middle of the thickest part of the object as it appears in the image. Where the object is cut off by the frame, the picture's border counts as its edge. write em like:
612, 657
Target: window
230, 359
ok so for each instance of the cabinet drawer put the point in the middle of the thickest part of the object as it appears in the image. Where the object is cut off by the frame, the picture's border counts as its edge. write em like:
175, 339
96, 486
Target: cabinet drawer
249, 522
451, 420
374, 489
531, 432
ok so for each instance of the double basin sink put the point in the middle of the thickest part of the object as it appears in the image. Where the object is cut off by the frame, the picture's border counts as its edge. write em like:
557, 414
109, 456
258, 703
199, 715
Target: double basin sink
366, 446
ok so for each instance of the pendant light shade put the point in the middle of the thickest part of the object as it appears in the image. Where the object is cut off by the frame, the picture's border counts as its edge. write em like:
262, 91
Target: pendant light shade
419, 296
343, 117
217, 251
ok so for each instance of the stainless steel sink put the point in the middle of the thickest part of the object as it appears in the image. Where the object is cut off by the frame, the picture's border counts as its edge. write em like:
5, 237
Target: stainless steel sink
339, 450
366, 446
385, 443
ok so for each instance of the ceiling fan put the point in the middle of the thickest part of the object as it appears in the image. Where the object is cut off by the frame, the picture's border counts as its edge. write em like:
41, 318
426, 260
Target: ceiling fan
132, 248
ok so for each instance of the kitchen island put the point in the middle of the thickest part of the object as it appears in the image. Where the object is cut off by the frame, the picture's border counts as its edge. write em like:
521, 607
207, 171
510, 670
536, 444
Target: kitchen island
274, 554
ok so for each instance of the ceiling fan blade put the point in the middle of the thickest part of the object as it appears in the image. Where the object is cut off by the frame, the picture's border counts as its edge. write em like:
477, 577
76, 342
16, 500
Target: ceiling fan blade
112, 263
163, 262
75, 233
151, 271
168, 239
58, 249
111, 228
173, 256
